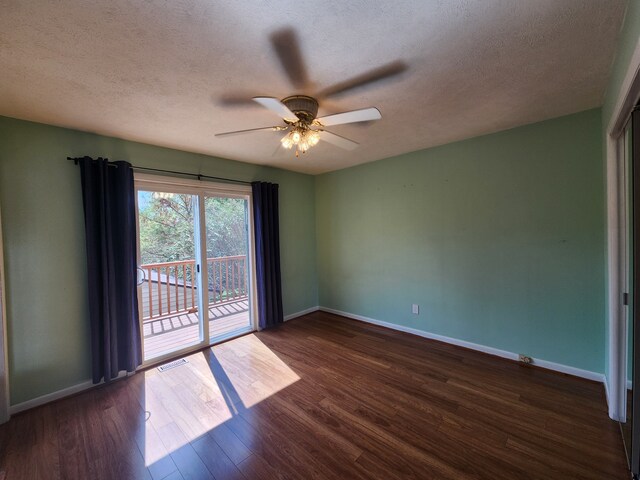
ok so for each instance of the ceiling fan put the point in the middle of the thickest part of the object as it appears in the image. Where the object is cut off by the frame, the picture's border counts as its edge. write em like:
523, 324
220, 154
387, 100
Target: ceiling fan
303, 127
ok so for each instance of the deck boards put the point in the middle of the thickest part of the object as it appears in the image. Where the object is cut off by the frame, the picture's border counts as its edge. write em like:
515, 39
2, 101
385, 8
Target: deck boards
180, 331
324, 397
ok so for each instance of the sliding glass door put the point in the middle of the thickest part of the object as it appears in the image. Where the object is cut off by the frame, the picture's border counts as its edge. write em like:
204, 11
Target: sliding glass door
168, 292
195, 264
228, 267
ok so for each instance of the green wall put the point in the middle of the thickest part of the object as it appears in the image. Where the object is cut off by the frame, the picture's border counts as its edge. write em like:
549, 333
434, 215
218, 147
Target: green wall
44, 243
499, 239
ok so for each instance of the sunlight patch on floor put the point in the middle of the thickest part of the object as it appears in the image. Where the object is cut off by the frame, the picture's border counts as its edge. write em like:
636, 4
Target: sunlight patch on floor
185, 402
254, 370
182, 404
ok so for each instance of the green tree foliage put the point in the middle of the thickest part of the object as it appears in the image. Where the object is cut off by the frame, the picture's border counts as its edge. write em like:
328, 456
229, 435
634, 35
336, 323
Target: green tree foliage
167, 227
226, 226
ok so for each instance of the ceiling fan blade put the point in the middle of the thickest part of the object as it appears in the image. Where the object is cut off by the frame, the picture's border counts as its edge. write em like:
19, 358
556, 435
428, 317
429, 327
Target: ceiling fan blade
375, 75
338, 140
235, 100
353, 116
287, 46
277, 107
240, 132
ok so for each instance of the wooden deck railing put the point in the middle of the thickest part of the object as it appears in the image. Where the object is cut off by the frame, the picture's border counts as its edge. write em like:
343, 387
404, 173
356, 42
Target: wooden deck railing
170, 289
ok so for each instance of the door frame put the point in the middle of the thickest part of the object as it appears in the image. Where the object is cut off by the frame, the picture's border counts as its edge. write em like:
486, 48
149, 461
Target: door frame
200, 188
4, 352
617, 228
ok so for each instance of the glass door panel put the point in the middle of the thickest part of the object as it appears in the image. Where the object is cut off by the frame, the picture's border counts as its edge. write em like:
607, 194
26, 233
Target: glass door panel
168, 295
228, 265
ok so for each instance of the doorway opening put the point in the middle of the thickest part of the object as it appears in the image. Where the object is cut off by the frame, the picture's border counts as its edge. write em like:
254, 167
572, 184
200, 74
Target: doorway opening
195, 264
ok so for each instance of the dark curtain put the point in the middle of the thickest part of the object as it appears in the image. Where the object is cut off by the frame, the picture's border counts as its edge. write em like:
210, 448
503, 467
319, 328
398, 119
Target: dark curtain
267, 233
109, 213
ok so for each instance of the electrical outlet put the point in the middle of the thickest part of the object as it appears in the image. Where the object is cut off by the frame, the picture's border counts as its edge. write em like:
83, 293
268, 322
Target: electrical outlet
525, 359
415, 309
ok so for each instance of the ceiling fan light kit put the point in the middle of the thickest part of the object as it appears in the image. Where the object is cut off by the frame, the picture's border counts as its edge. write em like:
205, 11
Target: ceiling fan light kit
301, 135
301, 138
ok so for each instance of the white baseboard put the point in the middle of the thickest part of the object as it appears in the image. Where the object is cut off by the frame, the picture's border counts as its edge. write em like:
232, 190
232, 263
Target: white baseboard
577, 372
301, 313
57, 395
629, 385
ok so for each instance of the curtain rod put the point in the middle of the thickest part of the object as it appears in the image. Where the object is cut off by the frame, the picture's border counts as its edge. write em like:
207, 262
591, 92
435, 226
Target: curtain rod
197, 175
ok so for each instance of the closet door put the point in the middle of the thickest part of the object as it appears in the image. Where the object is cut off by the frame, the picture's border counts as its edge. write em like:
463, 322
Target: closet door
634, 313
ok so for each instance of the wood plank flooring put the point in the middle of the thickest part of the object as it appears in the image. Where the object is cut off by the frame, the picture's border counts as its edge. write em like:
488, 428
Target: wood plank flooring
324, 397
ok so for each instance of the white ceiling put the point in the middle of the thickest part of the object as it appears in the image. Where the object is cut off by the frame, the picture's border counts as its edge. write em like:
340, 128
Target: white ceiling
160, 71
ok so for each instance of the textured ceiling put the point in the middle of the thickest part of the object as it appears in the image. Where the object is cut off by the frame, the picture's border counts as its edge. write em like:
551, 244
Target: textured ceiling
166, 72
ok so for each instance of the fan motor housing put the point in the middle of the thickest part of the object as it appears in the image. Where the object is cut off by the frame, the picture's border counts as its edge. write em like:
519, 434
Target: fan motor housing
305, 107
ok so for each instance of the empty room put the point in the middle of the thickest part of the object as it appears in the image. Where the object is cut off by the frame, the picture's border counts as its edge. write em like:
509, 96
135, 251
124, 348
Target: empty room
319, 240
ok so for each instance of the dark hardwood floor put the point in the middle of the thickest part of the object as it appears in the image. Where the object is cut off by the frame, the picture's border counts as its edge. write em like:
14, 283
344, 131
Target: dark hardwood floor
324, 397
